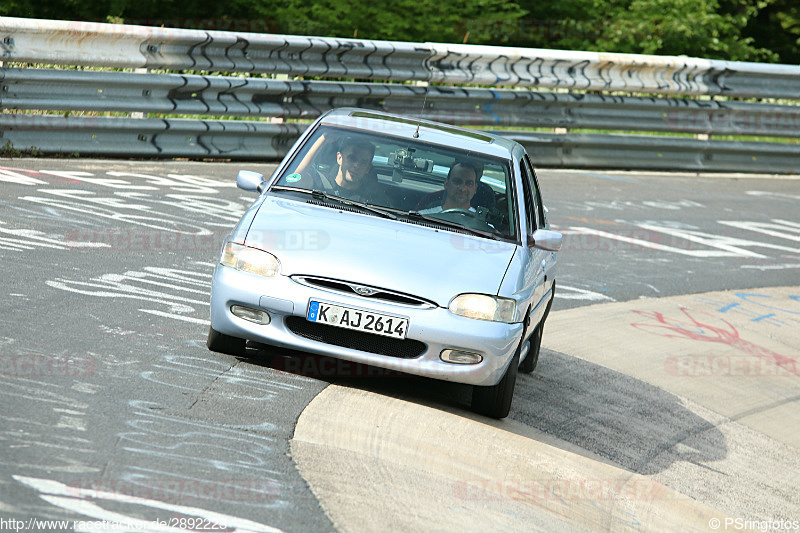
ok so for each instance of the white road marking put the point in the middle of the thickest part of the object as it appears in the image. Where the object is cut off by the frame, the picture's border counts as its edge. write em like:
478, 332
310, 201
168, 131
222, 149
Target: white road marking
178, 290
14, 177
574, 293
782, 229
180, 182
774, 194
660, 247
725, 246
177, 317
770, 267
87, 178
29, 237
62, 496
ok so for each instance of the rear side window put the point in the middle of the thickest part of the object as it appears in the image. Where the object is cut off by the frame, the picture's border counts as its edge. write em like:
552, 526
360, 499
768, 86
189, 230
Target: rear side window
537, 197
529, 197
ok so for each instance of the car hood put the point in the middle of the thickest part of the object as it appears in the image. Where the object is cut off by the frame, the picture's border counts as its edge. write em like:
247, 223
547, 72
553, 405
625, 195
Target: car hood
426, 262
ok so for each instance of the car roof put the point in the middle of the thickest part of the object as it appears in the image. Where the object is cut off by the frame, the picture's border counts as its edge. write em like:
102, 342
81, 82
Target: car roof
429, 131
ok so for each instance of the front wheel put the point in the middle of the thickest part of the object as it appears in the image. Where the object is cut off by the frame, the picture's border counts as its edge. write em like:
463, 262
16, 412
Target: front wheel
495, 401
529, 364
219, 342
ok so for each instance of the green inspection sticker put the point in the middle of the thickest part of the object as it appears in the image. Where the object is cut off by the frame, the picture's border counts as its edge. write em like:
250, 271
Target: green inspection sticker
291, 178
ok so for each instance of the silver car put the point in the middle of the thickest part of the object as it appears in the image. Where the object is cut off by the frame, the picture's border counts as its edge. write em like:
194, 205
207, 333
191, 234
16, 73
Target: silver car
399, 243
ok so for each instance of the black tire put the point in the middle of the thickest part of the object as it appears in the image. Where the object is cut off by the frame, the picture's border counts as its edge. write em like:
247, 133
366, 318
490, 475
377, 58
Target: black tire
532, 359
219, 342
495, 401
529, 364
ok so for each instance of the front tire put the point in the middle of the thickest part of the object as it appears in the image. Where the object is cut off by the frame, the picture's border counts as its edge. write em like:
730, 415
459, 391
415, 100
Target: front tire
219, 342
529, 364
495, 401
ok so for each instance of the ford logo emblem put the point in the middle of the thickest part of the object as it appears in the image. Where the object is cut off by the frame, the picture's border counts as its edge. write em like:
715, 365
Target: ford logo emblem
363, 291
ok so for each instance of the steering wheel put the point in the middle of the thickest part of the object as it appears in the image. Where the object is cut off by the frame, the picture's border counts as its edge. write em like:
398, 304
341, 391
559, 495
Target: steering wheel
465, 212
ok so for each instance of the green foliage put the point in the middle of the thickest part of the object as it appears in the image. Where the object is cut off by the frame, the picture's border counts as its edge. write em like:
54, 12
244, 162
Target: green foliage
8, 150
697, 28
745, 30
775, 25
689, 27
401, 20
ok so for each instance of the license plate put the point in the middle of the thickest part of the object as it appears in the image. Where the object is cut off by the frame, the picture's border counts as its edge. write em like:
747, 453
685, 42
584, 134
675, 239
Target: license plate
357, 319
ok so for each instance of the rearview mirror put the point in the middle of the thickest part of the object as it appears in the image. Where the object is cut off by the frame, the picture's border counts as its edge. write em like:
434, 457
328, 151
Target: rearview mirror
546, 240
249, 180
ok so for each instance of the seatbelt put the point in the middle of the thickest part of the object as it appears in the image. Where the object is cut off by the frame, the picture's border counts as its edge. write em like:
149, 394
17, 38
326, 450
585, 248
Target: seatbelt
325, 181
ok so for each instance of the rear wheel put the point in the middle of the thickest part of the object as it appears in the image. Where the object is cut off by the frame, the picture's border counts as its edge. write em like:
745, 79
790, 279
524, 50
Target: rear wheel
495, 401
219, 342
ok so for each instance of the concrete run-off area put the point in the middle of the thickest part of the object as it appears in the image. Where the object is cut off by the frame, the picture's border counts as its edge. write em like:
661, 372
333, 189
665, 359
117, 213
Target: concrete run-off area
685, 421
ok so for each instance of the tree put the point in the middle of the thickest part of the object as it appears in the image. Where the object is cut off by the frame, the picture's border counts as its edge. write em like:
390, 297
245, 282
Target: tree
401, 20
775, 26
696, 28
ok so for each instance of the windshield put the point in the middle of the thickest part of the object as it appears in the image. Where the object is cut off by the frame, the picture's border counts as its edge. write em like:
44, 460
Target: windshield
456, 187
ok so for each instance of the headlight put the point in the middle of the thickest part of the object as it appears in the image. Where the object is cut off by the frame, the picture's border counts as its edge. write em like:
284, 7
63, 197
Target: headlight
484, 307
250, 260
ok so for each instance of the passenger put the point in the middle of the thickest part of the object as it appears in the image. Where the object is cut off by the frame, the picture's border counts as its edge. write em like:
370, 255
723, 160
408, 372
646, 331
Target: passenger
460, 186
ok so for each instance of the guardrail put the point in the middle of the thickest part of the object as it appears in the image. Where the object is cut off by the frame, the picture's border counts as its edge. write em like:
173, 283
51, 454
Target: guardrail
122, 46
582, 108
158, 138
258, 97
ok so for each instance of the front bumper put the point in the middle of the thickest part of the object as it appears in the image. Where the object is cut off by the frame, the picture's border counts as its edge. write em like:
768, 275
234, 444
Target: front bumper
437, 328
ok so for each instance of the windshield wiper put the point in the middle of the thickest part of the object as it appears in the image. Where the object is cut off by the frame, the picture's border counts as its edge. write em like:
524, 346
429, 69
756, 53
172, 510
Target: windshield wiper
322, 195
377, 210
496, 235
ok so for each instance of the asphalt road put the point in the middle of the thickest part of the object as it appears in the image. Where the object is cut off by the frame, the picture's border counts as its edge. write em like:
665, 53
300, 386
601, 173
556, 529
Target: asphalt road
632, 236
113, 407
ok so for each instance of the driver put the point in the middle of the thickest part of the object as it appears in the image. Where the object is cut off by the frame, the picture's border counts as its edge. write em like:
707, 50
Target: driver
354, 178
355, 165
459, 186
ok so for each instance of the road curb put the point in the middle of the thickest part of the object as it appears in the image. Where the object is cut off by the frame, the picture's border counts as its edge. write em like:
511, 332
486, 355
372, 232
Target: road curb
440, 468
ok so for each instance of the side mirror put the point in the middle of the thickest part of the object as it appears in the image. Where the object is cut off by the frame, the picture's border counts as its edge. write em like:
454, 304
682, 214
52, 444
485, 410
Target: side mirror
546, 240
249, 180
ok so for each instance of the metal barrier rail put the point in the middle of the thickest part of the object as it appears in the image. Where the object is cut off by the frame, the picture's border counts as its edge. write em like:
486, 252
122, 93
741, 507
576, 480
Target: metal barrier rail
156, 138
123, 46
120, 137
259, 97
649, 152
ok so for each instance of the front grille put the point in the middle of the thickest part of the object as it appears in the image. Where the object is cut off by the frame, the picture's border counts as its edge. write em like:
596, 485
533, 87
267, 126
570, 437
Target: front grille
348, 289
355, 340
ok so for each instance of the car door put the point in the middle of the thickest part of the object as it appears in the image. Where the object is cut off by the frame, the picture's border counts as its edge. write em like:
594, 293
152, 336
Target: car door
549, 264
538, 259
